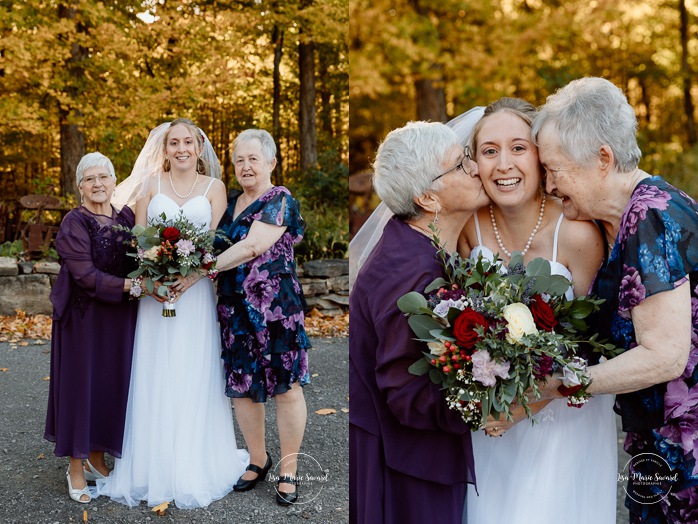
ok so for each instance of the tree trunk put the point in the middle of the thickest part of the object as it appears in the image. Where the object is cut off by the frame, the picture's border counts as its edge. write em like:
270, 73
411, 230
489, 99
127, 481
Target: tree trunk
72, 138
325, 90
431, 98
72, 150
277, 36
686, 77
308, 134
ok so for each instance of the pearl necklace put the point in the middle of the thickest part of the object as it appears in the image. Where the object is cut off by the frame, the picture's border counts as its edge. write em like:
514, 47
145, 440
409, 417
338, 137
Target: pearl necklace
530, 238
183, 197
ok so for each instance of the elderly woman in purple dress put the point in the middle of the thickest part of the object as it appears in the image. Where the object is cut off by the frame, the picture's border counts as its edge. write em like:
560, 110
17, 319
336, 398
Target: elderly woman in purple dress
410, 456
261, 312
587, 145
93, 328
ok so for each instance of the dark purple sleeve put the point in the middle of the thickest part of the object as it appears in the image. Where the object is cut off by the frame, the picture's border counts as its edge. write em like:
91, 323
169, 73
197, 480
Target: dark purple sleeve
414, 400
73, 244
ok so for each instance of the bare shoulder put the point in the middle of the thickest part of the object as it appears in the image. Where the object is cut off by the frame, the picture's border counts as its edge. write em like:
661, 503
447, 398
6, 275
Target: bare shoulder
579, 234
580, 248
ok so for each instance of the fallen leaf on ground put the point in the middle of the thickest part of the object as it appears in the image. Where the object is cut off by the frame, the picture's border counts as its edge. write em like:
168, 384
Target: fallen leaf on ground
319, 325
22, 326
46, 378
345, 410
4, 369
41, 456
326, 411
84, 515
315, 375
160, 509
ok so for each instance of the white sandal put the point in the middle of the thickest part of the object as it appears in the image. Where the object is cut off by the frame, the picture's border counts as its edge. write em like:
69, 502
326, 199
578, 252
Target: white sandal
76, 494
92, 474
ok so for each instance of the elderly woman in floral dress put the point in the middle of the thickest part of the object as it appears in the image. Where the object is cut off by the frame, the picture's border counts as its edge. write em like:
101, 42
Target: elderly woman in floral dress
586, 143
261, 311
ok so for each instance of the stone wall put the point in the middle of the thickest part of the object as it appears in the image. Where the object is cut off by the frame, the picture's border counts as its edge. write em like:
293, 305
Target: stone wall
326, 285
27, 286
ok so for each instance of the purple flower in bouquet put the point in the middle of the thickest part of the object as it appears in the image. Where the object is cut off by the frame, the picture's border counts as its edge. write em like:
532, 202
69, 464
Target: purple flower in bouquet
485, 369
185, 247
542, 366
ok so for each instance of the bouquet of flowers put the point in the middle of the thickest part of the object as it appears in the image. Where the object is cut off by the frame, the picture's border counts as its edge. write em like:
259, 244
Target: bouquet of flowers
166, 249
495, 333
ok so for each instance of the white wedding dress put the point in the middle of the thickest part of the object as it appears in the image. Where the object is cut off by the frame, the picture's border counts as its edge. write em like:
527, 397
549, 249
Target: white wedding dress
561, 469
179, 440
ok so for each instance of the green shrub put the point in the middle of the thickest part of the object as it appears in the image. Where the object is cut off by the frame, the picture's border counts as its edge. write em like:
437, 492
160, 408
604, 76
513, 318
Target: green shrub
326, 234
12, 249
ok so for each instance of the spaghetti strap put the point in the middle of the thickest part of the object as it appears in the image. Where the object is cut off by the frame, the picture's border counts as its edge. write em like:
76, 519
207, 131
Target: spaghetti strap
477, 230
557, 230
209, 186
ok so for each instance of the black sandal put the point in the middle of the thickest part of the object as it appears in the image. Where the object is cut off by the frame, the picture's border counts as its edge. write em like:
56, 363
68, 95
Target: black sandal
246, 485
286, 499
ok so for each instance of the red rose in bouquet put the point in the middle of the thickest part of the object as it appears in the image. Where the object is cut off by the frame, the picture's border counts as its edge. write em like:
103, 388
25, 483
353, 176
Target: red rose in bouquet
171, 234
543, 314
464, 327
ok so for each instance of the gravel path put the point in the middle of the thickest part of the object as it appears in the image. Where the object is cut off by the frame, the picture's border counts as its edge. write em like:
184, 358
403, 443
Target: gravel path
32, 479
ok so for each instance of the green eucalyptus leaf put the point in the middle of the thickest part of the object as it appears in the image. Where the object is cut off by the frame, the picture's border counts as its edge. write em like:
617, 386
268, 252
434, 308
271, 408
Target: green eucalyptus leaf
422, 326
538, 267
516, 259
436, 284
421, 367
435, 376
412, 303
558, 285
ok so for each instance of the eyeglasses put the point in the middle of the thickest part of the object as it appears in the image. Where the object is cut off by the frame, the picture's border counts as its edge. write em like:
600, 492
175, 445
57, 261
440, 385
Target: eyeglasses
89, 180
466, 156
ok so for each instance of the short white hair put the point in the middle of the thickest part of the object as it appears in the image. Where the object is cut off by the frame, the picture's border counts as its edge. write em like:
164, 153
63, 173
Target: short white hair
588, 113
95, 159
408, 161
264, 137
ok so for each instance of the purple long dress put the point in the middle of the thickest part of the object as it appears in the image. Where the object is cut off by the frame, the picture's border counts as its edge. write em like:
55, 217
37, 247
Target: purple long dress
410, 457
92, 338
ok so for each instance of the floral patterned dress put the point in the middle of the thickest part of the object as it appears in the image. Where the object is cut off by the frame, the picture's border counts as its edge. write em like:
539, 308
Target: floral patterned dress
261, 308
656, 250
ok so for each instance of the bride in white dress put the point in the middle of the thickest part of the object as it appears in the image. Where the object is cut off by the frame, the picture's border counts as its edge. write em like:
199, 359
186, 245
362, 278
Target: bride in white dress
563, 468
179, 441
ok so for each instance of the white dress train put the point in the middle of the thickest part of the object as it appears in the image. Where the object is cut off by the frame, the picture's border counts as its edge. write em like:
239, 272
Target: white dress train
179, 440
563, 468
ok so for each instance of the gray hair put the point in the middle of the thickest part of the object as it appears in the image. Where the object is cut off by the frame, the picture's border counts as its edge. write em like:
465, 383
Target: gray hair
267, 141
588, 113
95, 159
408, 161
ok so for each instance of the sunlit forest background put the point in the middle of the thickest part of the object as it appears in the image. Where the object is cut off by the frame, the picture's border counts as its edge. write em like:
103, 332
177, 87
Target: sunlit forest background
434, 59
85, 75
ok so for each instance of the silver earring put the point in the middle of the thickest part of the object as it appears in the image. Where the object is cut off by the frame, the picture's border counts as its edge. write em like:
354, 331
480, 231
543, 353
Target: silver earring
436, 216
